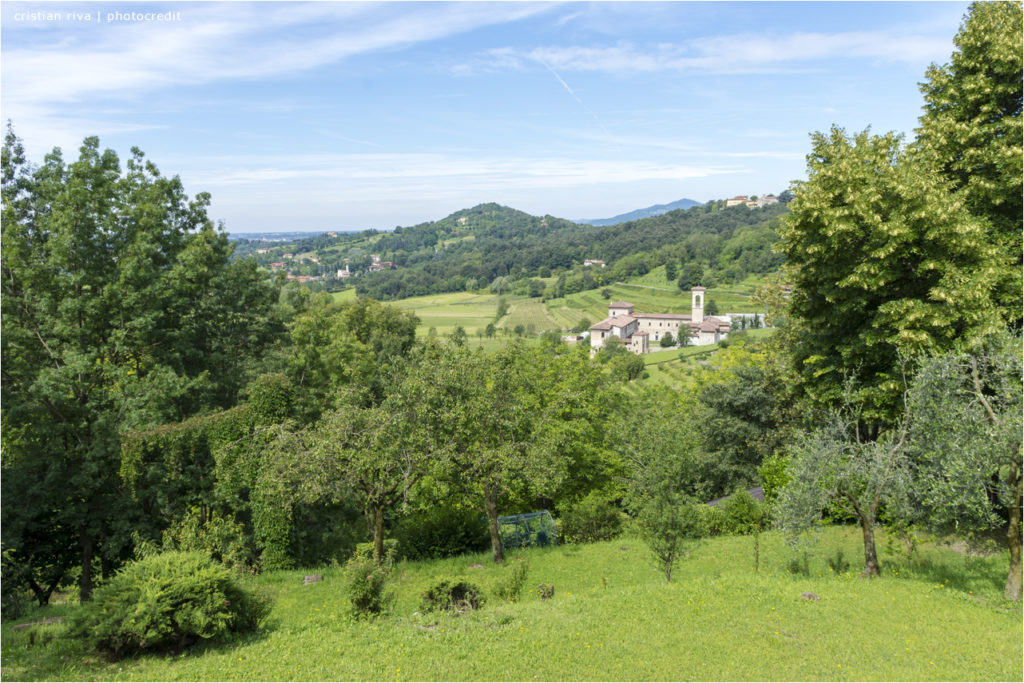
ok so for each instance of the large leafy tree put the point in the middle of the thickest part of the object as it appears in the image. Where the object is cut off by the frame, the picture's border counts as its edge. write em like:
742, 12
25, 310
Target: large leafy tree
883, 261
971, 130
121, 310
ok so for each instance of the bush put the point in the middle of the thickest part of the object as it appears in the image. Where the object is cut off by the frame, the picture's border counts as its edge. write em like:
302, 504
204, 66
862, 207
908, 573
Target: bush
460, 596
167, 601
442, 533
742, 514
366, 584
364, 551
220, 538
595, 518
511, 586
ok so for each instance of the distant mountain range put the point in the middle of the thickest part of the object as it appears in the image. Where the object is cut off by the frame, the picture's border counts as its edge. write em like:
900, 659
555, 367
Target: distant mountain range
655, 210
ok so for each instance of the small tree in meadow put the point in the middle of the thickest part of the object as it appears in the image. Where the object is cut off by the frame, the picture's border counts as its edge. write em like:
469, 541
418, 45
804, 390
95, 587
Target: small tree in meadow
670, 522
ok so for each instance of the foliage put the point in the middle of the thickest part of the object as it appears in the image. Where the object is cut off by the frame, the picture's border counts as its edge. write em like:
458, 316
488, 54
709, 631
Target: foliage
669, 523
668, 341
742, 514
971, 132
367, 585
167, 601
441, 532
121, 311
834, 465
509, 587
965, 445
774, 476
883, 261
595, 518
453, 596
219, 538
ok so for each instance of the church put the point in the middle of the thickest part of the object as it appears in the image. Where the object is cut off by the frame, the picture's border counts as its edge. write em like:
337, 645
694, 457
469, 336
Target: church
638, 330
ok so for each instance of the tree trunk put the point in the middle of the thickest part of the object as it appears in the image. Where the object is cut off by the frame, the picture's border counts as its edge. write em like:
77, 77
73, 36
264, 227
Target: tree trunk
378, 535
668, 569
491, 503
871, 569
1013, 540
85, 583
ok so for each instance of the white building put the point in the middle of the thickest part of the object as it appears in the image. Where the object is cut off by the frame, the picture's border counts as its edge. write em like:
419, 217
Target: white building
638, 330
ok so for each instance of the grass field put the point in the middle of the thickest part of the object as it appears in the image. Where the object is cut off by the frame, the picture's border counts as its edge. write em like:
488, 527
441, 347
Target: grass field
613, 617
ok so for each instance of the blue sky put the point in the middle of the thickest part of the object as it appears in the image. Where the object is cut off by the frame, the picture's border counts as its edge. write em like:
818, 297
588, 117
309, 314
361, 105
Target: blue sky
323, 115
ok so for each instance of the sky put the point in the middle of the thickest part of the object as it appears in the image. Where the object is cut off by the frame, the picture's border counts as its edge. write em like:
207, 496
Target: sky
347, 116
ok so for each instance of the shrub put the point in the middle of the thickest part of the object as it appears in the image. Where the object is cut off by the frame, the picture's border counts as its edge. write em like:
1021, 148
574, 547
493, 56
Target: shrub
511, 586
595, 518
167, 601
459, 596
442, 533
364, 551
742, 514
220, 538
838, 563
366, 584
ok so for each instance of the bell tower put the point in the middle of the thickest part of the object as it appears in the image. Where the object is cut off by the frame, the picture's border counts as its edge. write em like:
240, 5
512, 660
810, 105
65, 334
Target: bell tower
697, 304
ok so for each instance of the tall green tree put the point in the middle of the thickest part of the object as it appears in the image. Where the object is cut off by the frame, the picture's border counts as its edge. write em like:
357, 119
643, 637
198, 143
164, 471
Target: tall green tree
883, 261
970, 131
121, 309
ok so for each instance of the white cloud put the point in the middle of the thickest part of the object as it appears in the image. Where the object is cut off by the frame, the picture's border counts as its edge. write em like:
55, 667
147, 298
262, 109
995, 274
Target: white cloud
741, 53
384, 175
221, 41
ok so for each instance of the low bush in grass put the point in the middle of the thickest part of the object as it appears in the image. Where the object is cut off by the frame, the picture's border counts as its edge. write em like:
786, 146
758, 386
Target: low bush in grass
453, 596
367, 583
166, 602
595, 518
439, 533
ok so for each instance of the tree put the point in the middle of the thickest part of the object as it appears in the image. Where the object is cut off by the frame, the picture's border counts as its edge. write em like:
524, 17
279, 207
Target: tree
121, 309
965, 445
691, 276
883, 261
670, 271
835, 465
515, 421
489, 330
668, 341
970, 131
710, 307
669, 523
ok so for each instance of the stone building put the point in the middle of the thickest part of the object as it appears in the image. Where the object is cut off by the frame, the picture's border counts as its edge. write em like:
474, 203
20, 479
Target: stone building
638, 330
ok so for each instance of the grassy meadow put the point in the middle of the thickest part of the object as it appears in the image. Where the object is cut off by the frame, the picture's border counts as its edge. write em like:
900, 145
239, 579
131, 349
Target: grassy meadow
612, 617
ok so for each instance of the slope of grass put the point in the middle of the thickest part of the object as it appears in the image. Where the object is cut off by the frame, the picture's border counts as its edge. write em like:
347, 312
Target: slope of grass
612, 617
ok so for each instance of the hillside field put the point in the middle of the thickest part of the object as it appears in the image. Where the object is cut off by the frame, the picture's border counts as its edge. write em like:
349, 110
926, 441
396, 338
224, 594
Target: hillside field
612, 617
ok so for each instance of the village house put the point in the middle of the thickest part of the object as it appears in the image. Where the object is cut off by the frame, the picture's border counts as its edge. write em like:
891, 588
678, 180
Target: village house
638, 330
593, 262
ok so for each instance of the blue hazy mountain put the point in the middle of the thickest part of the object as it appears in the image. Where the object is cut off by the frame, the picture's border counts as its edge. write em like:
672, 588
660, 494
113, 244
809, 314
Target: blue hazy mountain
655, 210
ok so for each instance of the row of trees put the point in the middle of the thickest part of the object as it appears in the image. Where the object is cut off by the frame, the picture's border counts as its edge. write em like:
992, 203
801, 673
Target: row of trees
904, 321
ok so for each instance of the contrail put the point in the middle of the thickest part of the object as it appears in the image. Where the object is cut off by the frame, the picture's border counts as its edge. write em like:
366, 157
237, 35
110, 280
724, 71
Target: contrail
575, 96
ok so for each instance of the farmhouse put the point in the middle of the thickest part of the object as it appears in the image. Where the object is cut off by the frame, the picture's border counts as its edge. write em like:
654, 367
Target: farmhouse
638, 330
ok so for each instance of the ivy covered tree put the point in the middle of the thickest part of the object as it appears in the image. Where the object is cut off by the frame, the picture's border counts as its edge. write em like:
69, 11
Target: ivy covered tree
121, 309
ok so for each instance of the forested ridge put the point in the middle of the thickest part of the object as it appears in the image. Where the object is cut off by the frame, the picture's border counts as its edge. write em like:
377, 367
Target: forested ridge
473, 247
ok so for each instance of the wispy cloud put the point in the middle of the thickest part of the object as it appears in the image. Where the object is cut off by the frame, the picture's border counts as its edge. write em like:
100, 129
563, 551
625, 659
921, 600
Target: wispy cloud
739, 53
402, 173
219, 41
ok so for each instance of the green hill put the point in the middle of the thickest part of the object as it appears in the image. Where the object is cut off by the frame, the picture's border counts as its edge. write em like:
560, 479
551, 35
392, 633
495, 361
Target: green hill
612, 617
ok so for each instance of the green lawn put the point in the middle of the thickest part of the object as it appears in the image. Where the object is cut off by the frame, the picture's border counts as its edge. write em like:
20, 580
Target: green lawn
613, 617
